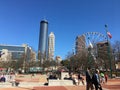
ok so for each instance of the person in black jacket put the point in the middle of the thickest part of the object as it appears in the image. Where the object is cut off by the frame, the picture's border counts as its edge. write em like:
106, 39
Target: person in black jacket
96, 80
89, 85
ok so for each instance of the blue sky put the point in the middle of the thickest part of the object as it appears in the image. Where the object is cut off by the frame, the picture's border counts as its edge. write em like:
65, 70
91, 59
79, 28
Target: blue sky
20, 21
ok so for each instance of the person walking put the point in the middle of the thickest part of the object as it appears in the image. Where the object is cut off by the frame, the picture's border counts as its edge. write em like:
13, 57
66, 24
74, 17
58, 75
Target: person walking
102, 76
96, 80
106, 77
80, 79
89, 85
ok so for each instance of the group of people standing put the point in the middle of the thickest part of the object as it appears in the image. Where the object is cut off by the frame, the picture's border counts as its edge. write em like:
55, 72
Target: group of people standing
77, 78
94, 80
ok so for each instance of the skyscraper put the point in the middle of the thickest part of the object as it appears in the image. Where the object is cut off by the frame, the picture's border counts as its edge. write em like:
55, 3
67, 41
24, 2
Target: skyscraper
51, 46
43, 39
80, 44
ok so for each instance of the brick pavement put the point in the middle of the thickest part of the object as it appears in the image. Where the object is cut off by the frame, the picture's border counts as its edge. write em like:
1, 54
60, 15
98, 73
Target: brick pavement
113, 84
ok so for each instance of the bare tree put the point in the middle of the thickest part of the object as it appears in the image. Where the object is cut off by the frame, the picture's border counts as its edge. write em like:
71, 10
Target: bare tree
116, 52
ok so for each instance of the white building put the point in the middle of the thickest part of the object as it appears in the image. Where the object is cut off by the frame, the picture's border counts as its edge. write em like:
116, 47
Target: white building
58, 59
51, 46
6, 55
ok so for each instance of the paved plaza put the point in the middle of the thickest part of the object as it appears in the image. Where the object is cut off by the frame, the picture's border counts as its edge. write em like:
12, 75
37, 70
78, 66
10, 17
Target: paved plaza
37, 83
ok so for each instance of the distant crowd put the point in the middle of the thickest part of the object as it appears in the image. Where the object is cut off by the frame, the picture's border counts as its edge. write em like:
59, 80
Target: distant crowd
7, 77
92, 79
10, 77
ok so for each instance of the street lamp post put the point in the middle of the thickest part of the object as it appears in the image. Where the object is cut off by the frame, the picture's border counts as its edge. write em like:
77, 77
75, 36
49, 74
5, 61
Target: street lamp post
108, 50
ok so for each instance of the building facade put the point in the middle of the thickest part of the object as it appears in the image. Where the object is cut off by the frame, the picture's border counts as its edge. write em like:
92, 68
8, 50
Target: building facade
80, 44
51, 46
15, 52
102, 49
58, 59
43, 40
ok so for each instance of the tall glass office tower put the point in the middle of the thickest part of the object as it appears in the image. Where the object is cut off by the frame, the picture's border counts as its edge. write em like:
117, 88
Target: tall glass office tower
43, 39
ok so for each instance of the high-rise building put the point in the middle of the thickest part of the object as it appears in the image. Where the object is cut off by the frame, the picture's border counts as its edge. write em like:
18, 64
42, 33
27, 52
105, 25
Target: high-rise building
80, 44
43, 39
51, 46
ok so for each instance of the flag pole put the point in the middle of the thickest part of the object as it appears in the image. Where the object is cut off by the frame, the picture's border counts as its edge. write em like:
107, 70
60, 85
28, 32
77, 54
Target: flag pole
108, 50
106, 28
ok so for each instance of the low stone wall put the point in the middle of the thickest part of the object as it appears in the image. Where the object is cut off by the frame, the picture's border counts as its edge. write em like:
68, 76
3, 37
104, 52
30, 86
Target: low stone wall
52, 82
